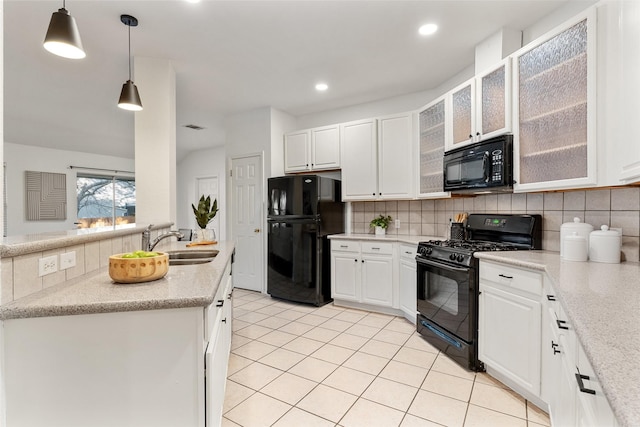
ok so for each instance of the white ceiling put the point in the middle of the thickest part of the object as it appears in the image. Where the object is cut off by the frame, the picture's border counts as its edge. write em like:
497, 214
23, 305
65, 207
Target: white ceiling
233, 56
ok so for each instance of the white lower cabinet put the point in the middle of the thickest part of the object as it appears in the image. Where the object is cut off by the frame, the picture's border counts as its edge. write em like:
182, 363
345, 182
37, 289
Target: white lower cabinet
408, 281
137, 368
364, 272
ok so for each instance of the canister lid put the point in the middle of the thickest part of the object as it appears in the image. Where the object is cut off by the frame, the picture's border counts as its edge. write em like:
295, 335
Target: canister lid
576, 225
605, 232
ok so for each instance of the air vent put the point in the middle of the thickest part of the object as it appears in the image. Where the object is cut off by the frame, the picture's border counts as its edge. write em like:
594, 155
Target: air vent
194, 127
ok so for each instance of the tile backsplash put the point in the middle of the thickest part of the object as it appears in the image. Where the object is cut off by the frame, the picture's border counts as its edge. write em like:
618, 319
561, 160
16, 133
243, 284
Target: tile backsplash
615, 207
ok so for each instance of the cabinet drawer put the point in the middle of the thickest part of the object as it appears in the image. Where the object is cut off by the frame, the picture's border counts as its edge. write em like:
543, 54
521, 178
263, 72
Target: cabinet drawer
408, 252
345, 245
377, 248
514, 278
212, 311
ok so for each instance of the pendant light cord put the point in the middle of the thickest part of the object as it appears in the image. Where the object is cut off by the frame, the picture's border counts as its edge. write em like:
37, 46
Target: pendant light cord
129, 26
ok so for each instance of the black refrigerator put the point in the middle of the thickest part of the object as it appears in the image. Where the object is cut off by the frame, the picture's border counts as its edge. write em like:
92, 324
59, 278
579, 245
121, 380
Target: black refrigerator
303, 210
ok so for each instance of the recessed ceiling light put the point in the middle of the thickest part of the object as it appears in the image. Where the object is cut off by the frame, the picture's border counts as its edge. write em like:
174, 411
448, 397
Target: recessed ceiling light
428, 29
321, 87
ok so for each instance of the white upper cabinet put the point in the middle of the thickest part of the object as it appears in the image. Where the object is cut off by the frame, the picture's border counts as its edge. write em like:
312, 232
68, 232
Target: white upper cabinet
312, 149
481, 107
432, 137
555, 140
377, 158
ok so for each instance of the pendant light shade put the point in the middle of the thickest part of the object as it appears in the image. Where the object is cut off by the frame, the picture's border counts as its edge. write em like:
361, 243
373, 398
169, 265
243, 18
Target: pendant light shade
129, 96
63, 37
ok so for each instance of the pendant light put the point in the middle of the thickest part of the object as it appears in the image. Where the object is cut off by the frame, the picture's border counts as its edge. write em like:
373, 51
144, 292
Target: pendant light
63, 38
129, 96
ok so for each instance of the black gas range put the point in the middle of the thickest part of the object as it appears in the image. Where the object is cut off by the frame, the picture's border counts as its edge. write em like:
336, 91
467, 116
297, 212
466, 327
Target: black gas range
447, 282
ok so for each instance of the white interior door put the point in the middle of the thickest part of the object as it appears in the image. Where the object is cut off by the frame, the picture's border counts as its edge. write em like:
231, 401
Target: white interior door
209, 186
247, 221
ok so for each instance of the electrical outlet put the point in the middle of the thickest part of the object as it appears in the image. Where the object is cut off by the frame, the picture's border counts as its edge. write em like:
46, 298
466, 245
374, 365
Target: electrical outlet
397, 222
67, 260
47, 265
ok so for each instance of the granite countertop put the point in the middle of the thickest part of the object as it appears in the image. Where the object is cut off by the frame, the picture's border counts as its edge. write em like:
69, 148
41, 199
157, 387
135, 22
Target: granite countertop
602, 302
183, 286
414, 240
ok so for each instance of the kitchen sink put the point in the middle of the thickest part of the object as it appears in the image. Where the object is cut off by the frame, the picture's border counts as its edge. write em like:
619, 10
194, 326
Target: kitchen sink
191, 257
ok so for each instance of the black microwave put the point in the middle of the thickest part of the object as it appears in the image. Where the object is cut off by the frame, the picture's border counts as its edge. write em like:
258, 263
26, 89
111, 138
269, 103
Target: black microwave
483, 166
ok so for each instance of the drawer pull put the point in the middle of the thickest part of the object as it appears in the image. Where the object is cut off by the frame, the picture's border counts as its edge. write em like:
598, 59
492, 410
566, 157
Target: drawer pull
220, 303
561, 324
505, 276
224, 320
554, 346
375, 249
408, 253
344, 246
579, 378
551, 297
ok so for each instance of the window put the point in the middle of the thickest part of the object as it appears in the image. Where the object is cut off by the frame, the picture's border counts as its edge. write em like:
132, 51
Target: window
105, 200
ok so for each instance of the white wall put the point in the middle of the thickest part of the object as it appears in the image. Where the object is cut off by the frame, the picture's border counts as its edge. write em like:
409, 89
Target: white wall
549, 22
281, 123
20, 158
201, 164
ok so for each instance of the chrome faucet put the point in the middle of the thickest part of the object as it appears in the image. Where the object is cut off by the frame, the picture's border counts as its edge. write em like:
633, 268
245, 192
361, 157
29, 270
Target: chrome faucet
148, 245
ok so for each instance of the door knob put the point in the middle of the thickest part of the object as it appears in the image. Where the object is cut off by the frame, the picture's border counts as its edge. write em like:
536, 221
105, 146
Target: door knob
257, 230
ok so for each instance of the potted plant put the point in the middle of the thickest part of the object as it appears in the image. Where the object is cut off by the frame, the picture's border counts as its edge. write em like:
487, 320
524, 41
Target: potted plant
204, 213
380, 223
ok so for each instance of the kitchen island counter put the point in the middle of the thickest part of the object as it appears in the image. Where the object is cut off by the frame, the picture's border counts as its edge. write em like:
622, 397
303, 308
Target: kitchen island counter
183, 286
602, 302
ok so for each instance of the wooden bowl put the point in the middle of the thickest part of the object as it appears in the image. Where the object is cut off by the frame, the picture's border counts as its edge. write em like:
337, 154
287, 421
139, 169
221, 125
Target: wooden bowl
138, 270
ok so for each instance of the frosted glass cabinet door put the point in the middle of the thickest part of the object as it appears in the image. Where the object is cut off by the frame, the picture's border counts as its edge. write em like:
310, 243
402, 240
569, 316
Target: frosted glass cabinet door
463, 114
495, 101
432, 141
556, 144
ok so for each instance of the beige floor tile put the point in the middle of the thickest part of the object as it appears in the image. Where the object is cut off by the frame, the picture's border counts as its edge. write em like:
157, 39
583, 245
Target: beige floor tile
352, 316
270, 310
327, 402
226, 422
253, 306
289, 388
313, 369
303, 345
312, 319
499, 399
304, 308
390, 393
363, 331
251, 317
328, 311
299, 418
258, 411
375, 321
332, 353
439, 409
352, 342
290, 314
403, 373
484, 378
256, 376
234, 394
365, 413
482, 417
448, 385
321, 334
401, 325
349, 380
413, 421
277, 338
254, 350
337, 325
296, 328
411, 356
239, 324
253, 331
537, 415
379, 348
368, 363
239, 341
447, 366
392, 337
236, 363
282, 359
416, 341
274, 322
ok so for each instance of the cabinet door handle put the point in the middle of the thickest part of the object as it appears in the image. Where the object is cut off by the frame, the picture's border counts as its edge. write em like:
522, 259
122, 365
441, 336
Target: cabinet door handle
505, 276
554, 346
220, 303
579, 378
224, 320
561, 324
355, 260
408, 253
551, 297
362, 261
470, 136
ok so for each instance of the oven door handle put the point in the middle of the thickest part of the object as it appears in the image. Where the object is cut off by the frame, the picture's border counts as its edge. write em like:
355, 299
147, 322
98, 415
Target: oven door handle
439, 265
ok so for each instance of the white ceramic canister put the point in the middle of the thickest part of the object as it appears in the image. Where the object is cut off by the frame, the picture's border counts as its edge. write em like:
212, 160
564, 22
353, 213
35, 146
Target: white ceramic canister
576, 248
568, 228
605, 245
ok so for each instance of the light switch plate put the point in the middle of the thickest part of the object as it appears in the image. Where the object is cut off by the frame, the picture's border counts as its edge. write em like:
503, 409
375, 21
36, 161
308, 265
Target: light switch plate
47, 265
397, 222
67, 260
